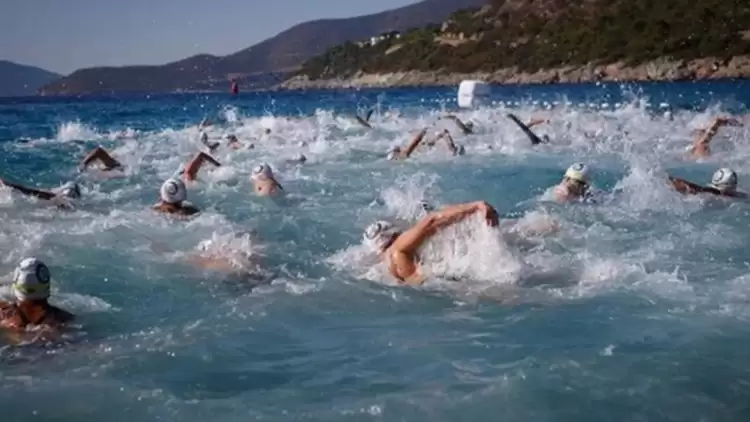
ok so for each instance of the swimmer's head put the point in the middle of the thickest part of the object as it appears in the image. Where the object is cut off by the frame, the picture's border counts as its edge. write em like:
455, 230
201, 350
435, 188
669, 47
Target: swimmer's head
460, 150
31, 280
262, 172
267, 131
299, 158
70, 190
576, 178
725, 180
231, 138
380, 235
394, 152
173, 191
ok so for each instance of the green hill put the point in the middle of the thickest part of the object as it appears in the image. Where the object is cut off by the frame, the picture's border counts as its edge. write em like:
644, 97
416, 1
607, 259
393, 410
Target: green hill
531, 35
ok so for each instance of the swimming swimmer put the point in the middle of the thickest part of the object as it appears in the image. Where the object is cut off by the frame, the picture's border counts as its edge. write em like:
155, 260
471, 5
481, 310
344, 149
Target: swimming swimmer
172, 199
31, 288
455, 150
400, 248
234, 143
366, 120
700, 147
466, 128
190, 171
526, 128
723, 183
101, 155
574, 185
204, 140
264, 182
60, 196
396, 153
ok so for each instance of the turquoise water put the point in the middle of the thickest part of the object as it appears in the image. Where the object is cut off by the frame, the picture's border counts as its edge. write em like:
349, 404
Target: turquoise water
636, 309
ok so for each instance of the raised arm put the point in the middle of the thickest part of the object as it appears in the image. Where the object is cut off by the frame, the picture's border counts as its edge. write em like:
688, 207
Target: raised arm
41, 194
414, 143
411, 240
449, 141
103, 156
465, 128
688, 188
194, 166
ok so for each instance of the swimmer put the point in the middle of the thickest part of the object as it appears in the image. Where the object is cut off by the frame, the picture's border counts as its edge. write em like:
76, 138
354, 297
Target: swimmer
264, 182
723, 183
396, 153
455, 150
466, 128
574, 185
400, 248
216, 256
101, 155
190, 171
700, 147
365, 121
173, 195
204, 140
526, 128
297, 159
234, 143
31, 289
60, 196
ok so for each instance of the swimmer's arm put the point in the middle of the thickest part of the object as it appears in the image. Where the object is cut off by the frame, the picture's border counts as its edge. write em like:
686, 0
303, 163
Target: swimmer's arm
411, 240
688, 188
29, 191
210, 146
449, 141
414, 143
461, 125
535, 122
194, 166
103, 156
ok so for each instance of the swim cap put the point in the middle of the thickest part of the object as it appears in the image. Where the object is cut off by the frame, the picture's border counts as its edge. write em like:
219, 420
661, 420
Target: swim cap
31, 280
231, 138
263, 171
460, 150
70, 190
378, 234
579, 172
173, 191
724, 179
300, 158
203, 136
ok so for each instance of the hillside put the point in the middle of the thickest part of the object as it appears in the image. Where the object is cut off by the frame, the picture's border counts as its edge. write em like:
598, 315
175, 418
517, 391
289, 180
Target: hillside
258, 66
19, 80
531, 36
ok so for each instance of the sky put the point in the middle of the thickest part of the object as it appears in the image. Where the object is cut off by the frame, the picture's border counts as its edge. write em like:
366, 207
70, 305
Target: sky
65, 35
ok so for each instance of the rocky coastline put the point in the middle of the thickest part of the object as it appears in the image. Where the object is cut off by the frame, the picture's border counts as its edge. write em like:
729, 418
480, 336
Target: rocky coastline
659, 70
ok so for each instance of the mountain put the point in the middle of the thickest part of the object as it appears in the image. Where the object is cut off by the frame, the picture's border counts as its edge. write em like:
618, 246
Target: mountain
18, 80
669, 39
261, 65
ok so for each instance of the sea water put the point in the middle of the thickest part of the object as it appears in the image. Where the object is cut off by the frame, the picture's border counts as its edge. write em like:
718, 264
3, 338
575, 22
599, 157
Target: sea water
636, 308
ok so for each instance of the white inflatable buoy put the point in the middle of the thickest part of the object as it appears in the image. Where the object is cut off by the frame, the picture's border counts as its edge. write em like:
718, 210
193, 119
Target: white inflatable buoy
472, 93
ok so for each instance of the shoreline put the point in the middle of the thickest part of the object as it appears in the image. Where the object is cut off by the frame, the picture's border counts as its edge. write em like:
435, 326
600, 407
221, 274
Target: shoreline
658, 70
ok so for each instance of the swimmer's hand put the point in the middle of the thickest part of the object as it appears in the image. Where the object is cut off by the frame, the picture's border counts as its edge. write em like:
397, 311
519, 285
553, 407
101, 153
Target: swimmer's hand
490, 214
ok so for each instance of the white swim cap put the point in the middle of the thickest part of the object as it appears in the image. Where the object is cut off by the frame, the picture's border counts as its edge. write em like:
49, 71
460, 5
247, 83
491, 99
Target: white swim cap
263, 171
205, 245
378, 234
426, 206
31, 280
173, 191
724, 179
579, 172
70, 190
